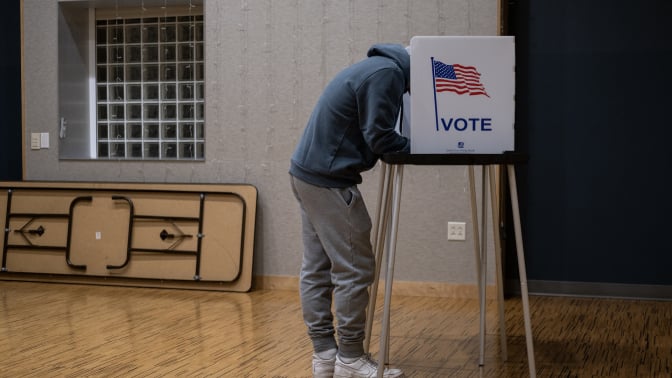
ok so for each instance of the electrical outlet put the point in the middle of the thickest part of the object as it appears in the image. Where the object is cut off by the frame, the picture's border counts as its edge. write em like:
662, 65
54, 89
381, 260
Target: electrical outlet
44, 140
457, 231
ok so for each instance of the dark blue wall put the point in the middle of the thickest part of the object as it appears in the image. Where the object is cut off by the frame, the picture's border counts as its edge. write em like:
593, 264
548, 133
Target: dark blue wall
593, 103
10, 91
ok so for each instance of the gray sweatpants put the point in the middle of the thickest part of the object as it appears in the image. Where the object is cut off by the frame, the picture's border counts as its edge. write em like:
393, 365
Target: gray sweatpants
338, 259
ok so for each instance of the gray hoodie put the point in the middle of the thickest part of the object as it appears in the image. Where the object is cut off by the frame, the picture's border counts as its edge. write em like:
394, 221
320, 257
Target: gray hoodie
352, 124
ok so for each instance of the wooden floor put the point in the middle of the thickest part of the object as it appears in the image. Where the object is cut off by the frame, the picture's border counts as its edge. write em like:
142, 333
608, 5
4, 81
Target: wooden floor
56, 330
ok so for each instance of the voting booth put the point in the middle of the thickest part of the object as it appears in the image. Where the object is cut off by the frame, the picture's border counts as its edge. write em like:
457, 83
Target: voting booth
462, 95
461, 105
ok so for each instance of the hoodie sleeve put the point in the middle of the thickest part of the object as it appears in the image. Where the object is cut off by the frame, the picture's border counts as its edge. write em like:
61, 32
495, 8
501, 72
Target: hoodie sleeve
379, 99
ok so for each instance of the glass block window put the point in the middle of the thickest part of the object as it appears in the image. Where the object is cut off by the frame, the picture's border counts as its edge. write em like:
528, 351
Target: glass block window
149, 88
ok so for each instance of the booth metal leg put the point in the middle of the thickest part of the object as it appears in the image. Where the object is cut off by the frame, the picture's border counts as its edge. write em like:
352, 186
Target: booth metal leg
480, 250
521, 269
385, 244
378, 236
494, 205
484, 260
391, 246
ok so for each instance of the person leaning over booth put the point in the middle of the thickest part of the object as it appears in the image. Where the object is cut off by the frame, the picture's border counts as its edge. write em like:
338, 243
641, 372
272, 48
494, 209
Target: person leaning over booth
351, 126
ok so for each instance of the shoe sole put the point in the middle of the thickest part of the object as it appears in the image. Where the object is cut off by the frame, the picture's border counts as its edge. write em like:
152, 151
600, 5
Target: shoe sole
354, 376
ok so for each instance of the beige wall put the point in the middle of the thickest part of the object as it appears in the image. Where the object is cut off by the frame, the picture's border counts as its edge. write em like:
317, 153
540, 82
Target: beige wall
266, 63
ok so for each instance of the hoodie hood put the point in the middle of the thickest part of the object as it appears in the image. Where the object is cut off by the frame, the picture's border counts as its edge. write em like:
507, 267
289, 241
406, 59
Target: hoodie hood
397, 53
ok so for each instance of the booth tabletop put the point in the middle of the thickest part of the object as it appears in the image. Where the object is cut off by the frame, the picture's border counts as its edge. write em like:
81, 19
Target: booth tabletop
507, 157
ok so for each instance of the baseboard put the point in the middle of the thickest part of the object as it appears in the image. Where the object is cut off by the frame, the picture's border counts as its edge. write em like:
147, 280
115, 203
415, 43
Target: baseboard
592, 289
405, 288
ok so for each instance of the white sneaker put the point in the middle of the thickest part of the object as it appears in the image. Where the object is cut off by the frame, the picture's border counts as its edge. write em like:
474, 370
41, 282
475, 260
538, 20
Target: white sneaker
323, 368
363, 367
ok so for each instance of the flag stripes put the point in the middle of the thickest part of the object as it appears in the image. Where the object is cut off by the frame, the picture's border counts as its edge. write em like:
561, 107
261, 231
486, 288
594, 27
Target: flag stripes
458, 78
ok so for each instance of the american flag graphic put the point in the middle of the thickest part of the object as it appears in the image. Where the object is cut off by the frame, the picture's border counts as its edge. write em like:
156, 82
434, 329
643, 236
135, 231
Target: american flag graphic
457, 78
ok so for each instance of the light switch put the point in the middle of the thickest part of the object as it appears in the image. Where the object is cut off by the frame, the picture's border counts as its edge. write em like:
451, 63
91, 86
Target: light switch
35, 141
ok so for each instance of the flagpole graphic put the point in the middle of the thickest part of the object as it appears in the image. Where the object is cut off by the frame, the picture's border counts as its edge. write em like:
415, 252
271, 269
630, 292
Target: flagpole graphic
436, 109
